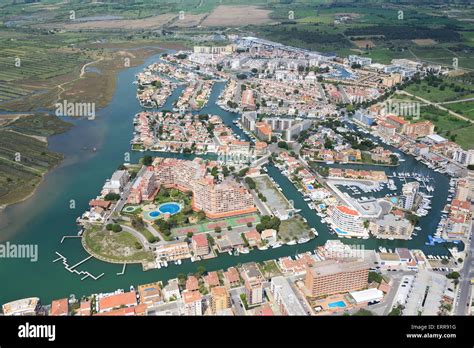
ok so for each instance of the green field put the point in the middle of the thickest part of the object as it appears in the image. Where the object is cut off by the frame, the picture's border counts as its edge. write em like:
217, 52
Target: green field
24, 159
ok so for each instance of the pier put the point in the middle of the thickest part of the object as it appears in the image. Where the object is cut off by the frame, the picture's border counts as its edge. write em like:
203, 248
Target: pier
123, 270
72, 268
65, 237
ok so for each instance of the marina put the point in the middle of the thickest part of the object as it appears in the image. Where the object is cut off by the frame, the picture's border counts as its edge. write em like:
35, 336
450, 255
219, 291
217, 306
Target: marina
52, 214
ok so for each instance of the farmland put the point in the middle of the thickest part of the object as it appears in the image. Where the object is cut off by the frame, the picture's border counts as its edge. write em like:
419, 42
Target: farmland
24, 158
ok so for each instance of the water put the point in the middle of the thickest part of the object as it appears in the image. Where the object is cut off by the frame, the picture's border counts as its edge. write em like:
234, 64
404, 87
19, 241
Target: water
64, 194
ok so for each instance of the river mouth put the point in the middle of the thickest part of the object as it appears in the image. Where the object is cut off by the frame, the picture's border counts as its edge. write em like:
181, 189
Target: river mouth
93, 150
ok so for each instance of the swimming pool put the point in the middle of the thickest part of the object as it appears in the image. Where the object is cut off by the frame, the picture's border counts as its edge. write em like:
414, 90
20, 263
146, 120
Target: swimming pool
338, 304
154, 214
310, 187
170, 208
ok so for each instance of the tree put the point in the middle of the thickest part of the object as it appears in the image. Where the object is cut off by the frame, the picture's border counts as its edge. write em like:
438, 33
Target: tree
375, 277
453, 275
201, 270
217, 229
116, 228
251, 183
283, 145
147, 160
112, 196
189, 234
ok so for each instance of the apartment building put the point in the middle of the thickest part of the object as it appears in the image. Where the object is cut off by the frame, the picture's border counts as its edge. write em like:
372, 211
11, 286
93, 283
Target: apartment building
173, 251
192, 301
220, 299
332, 277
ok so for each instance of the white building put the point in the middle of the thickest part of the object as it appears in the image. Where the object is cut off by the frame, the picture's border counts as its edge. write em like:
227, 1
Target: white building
409, 191
347, 222
286, 297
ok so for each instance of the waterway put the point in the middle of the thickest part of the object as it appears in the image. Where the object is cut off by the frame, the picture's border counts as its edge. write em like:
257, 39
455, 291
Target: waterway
93, 149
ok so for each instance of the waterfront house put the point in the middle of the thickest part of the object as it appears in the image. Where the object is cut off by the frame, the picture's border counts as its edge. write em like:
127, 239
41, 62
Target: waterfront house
59, 307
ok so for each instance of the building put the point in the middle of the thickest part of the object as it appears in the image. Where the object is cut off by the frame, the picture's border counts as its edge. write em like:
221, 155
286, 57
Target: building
398, 122
364, 118
332, 277
171, 290
419, 129
248, 100
264, 131
410, 191
150, 294
85, 308
200, 244
126, 299
59, 307
192, 301
286, 297
117, 182
292, 132
227, 198
226, 50
347, 221
231, 277
253, 281
368, 296
173, 251
248, 120
463, 189
26, 306
220, 299
362, 61
217, 200
391, 226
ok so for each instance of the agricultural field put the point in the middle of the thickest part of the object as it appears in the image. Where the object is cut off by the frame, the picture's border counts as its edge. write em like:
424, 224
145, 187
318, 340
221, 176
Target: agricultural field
229, 16
25, 158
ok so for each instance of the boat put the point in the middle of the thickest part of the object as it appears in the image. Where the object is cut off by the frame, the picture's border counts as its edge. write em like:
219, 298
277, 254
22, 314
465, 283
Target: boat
303, 240
262, 247
277, 245
292, 242
132, 288
244, 250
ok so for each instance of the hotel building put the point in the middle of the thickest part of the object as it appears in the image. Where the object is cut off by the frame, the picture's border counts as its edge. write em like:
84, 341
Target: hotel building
227, 198
333, 277
347, 221
410, 191
391, 226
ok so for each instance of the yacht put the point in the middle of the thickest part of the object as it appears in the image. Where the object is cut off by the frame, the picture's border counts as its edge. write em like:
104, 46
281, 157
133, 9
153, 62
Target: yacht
303, 240
292, 242
277, 245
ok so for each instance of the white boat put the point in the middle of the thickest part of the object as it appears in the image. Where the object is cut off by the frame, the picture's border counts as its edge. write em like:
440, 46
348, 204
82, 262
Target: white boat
291, 242
264, 247
132, 288
303, 240
277, 245
244, 250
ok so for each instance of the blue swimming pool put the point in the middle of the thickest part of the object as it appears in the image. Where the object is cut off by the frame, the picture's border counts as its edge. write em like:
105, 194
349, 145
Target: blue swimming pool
310, 187
169, 208
338, 304
154, 214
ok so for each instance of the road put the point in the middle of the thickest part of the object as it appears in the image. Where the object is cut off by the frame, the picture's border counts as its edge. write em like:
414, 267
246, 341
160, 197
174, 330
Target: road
465, 287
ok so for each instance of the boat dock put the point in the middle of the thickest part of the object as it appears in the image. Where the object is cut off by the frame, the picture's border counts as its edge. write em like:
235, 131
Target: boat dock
72, 268
65, 237
123, 270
